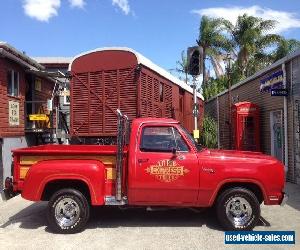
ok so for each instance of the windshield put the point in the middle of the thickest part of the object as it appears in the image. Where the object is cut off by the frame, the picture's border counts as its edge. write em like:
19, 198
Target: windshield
191, 138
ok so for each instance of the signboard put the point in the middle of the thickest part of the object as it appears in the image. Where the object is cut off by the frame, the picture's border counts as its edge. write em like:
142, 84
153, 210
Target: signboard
274, 81
65, 92
38, 117
196, 134
13, 113
49, 105
38, 84
279, 92
246, 109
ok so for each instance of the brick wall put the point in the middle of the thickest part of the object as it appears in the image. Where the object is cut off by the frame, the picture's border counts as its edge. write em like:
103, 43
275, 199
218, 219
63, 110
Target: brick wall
5, 129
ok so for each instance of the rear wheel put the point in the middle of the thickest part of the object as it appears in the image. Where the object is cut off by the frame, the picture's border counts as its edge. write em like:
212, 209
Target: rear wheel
238, 209
68, 211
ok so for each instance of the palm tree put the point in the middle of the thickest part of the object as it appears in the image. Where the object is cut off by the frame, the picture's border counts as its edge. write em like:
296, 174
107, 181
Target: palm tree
212, 40
285, 47
182, 66
251, 40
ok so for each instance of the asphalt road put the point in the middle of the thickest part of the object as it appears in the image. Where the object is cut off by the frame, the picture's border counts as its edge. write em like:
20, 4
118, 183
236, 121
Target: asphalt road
23, 225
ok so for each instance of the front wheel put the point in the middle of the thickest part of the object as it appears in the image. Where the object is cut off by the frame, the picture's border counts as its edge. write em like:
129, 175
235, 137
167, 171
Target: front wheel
68, 211
238, 209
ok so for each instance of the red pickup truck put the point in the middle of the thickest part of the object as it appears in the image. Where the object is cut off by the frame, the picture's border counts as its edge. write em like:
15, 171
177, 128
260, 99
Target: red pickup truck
159, 164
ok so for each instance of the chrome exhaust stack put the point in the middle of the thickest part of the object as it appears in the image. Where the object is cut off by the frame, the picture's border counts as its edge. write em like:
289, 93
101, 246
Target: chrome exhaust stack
121, 137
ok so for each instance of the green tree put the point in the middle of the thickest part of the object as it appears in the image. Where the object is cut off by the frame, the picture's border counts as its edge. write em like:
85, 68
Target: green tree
250, 43
209, 136
214, 86
212, 40
251, 40
182, 67
285, 47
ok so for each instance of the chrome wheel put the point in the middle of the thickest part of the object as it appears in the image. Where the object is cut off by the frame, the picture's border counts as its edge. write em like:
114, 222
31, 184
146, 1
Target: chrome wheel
238, 211
67, 212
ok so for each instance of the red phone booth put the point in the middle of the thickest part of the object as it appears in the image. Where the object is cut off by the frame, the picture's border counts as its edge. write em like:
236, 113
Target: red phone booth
245, 121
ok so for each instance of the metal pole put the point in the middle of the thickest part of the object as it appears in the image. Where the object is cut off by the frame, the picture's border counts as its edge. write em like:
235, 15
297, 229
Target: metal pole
293, 123
195, 102
230, 118
56, 122
285, 115
218, 123
229, 99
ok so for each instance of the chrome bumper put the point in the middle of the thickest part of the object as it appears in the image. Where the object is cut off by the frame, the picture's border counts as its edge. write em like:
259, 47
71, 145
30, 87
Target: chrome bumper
284, 199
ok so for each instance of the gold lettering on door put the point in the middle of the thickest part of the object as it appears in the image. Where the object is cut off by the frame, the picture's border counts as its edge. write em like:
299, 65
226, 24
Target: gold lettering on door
167, 170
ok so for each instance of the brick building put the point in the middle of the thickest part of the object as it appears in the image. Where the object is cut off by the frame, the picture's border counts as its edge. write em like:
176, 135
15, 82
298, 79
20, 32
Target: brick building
23, 92
279, 116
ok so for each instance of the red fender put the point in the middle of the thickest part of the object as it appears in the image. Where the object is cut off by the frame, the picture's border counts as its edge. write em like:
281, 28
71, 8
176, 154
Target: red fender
237, 180
91, 172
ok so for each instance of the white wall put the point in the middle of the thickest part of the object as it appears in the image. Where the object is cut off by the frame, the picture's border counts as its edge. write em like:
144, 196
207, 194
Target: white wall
8, 144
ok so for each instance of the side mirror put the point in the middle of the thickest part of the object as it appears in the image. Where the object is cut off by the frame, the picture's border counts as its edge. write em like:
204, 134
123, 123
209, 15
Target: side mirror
174, 151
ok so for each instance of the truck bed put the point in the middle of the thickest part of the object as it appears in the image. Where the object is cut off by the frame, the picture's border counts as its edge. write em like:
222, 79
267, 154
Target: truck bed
25, 158
68, 150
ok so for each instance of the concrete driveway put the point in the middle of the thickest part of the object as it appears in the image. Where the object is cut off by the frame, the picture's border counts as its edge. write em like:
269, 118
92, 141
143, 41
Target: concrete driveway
23, 225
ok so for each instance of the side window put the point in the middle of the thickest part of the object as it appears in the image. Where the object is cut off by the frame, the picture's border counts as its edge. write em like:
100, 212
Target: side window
161, 139
67, 97
157, 139
181, 144
12, 83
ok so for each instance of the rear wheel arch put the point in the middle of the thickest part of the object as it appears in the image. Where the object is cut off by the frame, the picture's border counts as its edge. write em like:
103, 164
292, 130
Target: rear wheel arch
52, 186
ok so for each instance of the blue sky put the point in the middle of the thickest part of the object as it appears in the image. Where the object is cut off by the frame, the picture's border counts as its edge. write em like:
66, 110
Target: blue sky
159, 30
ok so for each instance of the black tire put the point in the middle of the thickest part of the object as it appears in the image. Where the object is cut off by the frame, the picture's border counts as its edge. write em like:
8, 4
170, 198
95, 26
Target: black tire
241, 198
64, 201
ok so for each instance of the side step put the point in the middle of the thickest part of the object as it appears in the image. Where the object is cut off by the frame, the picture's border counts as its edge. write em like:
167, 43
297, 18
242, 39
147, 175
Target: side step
112, 201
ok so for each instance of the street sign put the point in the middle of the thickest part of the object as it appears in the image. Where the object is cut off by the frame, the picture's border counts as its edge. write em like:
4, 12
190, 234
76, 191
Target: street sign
279, 92
195, 112
14, 111
196, 109
272, 82
38, 117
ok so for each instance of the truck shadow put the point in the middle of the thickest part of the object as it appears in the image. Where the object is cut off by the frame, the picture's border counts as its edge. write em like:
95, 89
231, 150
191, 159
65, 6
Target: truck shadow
31, 217
34, 216
110, 217
106, 217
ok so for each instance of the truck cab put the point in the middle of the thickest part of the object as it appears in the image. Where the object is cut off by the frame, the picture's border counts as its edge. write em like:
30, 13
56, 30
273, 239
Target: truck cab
159, 165
163, 163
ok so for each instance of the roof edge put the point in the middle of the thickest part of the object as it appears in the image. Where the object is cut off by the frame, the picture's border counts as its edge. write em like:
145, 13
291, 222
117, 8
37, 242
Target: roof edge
52, 59
28, 60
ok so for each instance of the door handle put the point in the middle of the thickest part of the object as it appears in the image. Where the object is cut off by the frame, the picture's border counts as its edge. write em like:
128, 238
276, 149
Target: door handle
142, 160
180, 157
